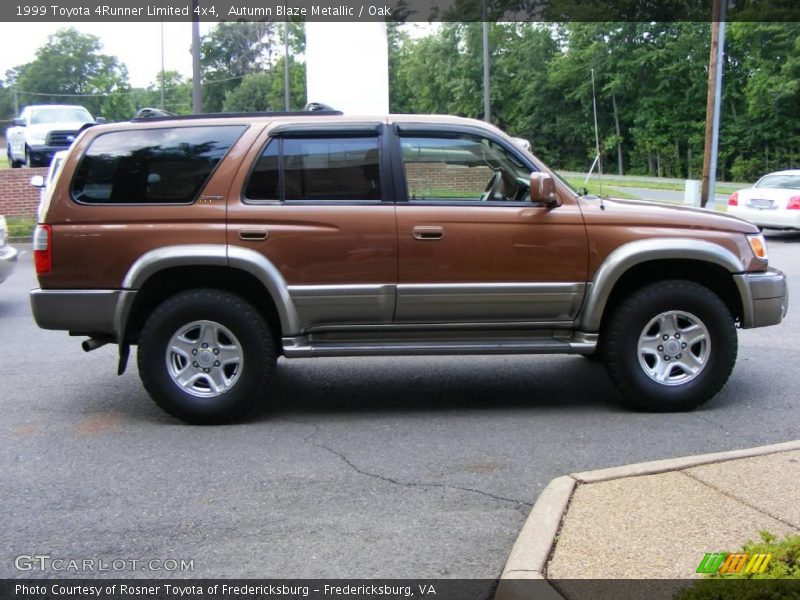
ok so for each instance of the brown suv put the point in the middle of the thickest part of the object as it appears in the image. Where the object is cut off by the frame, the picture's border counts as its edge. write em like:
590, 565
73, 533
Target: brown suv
218, 243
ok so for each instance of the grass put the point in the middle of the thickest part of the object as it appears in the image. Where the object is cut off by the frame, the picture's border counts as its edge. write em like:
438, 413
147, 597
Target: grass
720, 188
3, 161
20, 226
596, 188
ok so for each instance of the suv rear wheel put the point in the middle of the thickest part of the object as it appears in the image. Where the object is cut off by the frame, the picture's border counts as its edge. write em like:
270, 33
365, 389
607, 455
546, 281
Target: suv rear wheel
670, 346
206, 356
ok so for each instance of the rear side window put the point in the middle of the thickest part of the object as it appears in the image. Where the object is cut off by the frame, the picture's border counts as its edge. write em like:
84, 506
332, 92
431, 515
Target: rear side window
151, 166
317, 169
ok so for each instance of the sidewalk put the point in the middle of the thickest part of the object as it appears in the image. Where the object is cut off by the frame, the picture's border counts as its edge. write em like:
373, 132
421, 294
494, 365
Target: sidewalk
657, 520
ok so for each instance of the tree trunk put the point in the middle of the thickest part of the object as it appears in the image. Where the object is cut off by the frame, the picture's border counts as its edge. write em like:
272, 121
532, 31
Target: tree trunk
688, 162
658, 163
677, 159
619, 135
650, 162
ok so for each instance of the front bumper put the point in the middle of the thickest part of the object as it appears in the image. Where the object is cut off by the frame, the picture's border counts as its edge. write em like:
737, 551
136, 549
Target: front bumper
87, 312
44, 154
8, 260
765, 298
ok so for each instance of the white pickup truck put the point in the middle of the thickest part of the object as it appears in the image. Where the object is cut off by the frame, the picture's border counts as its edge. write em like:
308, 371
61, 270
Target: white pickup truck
42, 130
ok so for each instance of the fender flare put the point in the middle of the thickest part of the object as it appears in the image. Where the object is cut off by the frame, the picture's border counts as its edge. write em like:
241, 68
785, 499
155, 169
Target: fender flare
634, 253
220, 255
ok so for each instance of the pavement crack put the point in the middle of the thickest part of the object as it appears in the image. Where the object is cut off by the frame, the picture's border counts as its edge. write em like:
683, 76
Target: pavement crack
727, 494
392, 481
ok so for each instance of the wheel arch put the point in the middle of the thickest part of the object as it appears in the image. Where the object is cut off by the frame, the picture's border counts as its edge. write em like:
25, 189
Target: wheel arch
639, 263
166, 271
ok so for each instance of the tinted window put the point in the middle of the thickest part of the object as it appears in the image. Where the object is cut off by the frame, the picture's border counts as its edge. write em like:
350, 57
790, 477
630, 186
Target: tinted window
791, 182
461, 168
151, 165
321, 168
264, 182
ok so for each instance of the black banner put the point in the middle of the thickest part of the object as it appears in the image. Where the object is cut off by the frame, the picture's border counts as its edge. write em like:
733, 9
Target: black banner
394, 10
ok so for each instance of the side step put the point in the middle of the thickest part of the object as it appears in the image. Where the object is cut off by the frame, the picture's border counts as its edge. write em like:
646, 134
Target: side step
303, 347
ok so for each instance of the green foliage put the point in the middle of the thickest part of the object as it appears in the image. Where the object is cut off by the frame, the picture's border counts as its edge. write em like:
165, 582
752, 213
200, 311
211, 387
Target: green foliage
20, 226
650, 80
72, 63
265, 91
784, 565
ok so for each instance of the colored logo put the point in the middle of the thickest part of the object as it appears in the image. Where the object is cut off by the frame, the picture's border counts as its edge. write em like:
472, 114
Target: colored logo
725, 563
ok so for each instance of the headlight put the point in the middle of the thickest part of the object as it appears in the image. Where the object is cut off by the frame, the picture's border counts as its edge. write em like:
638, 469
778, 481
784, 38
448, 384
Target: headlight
37, 137
759, 246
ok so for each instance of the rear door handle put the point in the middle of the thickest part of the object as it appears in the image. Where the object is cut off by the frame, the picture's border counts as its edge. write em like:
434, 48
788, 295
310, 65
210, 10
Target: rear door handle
253, 234
428, 232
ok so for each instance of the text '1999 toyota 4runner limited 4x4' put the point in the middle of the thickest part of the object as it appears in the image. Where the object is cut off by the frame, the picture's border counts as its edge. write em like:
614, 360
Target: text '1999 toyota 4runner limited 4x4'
217, 243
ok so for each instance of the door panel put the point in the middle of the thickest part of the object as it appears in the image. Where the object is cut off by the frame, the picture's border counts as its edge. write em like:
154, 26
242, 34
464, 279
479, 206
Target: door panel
492, 263
338, 257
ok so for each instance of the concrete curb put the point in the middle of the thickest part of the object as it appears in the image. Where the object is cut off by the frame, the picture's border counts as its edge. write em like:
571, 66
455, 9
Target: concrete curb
536, 540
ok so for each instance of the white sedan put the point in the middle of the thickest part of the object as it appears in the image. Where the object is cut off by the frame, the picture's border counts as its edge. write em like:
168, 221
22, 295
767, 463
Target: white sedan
773, 201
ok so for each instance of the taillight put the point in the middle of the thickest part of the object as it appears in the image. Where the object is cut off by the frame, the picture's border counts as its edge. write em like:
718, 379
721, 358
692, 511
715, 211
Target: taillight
43, 249
734, 199
794, 203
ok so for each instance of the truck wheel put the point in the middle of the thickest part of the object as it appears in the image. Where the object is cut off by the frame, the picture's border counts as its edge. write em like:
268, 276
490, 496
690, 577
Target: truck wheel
14, 164
206, 356
670, 346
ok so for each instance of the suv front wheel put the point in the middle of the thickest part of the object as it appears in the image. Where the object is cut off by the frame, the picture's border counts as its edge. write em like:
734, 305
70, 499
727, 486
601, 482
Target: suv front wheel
206, 356
670, 346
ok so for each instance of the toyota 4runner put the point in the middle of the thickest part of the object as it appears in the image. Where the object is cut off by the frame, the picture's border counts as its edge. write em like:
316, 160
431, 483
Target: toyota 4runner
219, 243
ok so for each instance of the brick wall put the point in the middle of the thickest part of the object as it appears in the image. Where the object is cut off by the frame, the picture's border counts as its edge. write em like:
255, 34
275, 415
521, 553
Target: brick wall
18, 198
442, 177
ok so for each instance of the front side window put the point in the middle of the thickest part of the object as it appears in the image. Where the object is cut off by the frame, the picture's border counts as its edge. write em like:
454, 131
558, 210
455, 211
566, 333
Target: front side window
463, 167
317, 169
151, 166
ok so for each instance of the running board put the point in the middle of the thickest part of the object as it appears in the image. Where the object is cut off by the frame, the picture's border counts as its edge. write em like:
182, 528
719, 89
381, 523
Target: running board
302, 347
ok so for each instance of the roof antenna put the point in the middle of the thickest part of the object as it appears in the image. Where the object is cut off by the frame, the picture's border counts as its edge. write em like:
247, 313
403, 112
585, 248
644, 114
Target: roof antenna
596, 160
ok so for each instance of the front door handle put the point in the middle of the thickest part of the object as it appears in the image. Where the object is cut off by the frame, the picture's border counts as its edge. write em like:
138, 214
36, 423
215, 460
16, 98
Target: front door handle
253, 234
428, 232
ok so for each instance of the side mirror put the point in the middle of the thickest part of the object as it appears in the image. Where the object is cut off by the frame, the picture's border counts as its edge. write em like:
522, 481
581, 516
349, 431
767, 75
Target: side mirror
543, 189
37, 181
17, 122
100, 120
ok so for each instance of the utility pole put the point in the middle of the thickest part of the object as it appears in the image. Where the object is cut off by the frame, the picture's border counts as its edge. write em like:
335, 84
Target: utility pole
16, 103
596, 131
197, 102
715, 67
162, 65
487, 107
286, 66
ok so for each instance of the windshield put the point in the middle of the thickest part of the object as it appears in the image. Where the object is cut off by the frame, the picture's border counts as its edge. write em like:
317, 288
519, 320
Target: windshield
61, 115
790, 182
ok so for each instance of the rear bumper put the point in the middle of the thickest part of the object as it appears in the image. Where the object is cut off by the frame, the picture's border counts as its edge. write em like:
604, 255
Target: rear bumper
83, 311
765, 298
769, 218
8, 260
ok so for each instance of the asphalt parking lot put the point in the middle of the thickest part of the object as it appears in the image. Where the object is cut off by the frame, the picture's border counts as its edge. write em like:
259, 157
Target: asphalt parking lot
391, 467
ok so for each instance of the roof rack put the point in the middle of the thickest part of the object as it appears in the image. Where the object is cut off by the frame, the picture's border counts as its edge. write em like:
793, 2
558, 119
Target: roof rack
286, 113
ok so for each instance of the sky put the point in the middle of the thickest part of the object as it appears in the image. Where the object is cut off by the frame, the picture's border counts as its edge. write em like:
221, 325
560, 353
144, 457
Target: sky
137, 45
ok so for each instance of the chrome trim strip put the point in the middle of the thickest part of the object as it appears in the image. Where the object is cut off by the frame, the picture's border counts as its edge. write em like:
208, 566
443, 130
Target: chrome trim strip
340, 304
302, 347
640, 251
516, 301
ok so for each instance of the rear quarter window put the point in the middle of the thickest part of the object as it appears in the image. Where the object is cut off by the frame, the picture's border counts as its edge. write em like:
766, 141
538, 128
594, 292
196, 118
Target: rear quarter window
151, 166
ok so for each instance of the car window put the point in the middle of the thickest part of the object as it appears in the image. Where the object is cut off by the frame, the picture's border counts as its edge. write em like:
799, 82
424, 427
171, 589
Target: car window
58, 115
151, 166
784, 181
465, 167
317, 169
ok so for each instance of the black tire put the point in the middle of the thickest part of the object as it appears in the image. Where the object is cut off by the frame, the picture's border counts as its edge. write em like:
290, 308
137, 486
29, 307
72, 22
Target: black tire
250, 333
14, 164
621, 346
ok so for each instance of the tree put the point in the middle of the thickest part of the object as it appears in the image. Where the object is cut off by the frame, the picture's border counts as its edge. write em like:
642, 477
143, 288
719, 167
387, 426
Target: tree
69, 66
260, 92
